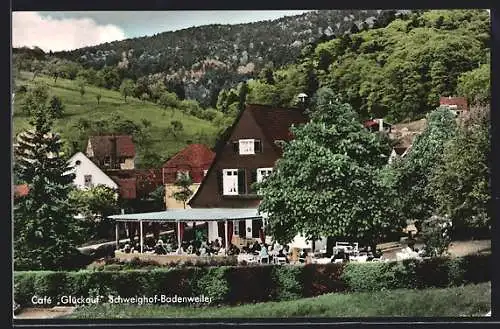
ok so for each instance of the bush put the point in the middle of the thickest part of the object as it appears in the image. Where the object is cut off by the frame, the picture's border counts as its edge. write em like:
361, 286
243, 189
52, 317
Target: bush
251, 284
288, 282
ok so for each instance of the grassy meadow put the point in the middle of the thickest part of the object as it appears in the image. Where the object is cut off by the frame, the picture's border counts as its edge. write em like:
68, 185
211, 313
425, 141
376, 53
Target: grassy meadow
469, 300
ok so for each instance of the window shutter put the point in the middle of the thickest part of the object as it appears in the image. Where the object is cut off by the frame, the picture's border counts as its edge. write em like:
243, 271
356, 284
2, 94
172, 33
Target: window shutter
253, 179
236, 147
220, 182
241, 181
257, 146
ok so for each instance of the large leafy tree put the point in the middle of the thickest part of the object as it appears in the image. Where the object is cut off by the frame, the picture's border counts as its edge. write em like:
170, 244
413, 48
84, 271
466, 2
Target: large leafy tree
461, 182
45, 230
330, 180
95, 205
413, 172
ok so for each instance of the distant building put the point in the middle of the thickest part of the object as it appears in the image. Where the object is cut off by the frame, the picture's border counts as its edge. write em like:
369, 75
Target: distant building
88, 174
378, 125
458, 105
112, 152
194, 160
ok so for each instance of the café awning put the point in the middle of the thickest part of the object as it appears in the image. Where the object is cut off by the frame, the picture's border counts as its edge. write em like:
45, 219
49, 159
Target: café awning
192, 215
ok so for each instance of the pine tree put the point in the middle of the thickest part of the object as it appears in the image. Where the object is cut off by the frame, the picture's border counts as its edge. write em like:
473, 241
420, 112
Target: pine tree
45, 231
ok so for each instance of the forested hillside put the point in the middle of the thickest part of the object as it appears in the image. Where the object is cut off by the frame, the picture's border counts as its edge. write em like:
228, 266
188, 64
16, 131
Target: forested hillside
197, 62
387, 64
397, 72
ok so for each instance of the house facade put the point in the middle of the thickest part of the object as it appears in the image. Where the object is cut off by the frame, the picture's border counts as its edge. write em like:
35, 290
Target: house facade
88, 174
194, 160
246, 154
112, 152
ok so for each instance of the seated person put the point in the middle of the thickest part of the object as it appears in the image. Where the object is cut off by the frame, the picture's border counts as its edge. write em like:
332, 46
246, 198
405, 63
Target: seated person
190, 249
281, 254
203, 251
127, 248
256, 247
264, 255
160, 248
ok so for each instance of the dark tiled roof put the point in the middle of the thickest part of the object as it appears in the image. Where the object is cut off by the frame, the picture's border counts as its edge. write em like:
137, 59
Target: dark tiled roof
127, 187
275, 122
136, 183
460, 102
103, 146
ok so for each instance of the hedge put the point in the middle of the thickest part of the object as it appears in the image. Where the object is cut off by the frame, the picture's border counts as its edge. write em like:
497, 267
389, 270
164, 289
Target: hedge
250, 284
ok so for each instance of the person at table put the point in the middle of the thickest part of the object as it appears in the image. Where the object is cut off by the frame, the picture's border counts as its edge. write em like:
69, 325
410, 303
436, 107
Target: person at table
256, 247
264, 255
281, 254
160, 248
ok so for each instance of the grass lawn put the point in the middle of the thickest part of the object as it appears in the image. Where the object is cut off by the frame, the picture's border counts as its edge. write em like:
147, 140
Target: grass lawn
470, 300
112, 102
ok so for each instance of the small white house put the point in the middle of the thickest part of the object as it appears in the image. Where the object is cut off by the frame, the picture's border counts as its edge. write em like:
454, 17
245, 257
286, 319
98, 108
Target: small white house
88, 174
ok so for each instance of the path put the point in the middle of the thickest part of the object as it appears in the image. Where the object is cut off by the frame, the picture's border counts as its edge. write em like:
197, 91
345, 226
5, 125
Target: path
44, 313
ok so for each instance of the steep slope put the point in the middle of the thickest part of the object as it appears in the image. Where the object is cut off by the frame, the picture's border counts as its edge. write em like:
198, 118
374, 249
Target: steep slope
156, 140
202, 60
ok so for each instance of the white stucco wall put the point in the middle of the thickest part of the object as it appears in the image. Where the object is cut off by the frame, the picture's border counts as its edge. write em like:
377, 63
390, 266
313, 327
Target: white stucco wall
87, 167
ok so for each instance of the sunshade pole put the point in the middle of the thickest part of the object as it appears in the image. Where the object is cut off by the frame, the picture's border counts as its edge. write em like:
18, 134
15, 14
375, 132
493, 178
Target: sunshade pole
141, 238
178, 235
117, 234
226, 236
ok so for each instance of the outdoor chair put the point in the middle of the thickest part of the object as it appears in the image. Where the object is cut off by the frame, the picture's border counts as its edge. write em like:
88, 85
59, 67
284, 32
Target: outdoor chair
280, 260
266, 258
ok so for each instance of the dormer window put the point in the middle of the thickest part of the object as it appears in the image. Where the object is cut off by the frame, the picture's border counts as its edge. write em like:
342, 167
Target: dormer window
247, 146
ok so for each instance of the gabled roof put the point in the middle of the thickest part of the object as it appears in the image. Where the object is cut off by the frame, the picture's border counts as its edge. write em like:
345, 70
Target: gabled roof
460, 102
102, 146
81, 155
193, 155
275, 122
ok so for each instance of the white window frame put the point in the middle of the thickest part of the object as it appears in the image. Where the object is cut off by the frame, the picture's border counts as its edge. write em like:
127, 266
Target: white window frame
89, 184
230, 181
263, 173
246, 146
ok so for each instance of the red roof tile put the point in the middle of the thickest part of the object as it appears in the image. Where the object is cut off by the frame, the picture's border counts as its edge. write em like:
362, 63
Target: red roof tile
102, 146
461, 102
21, 190
136, 183
127, 187
195, 158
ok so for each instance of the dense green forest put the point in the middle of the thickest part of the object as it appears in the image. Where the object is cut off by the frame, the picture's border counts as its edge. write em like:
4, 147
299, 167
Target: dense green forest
397, 72
197, 62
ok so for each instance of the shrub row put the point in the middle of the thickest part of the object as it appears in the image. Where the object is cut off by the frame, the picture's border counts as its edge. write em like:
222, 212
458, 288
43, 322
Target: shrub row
238, 285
